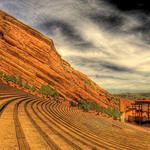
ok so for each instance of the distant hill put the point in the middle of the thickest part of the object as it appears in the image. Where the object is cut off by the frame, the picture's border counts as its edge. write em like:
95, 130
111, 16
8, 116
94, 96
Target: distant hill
134, 96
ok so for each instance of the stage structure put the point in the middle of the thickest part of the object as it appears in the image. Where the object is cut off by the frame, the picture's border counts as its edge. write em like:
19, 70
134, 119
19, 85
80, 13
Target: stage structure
141, 111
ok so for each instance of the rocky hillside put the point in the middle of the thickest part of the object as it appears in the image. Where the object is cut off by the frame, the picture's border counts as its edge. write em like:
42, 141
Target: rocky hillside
30, 55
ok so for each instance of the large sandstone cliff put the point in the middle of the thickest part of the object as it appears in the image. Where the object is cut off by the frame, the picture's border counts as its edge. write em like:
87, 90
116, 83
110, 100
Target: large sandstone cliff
30, 55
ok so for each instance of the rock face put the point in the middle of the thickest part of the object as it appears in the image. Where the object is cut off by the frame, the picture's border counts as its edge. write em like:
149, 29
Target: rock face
30, 55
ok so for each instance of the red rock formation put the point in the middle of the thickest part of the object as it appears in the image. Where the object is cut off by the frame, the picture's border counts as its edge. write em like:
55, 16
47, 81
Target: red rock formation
30, 55
124, 104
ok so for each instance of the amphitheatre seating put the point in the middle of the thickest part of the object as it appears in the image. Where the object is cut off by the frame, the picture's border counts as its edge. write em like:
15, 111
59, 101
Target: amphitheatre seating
29, 122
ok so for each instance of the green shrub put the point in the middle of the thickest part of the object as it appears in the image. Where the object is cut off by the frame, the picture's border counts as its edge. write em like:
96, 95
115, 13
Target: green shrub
9, 78
13, 79
44, 90
80, 103
113, 112
26, 86
99, 109
91, 105
87, 83
116, 113
47, 90
1, 74
5, 77
33, 88
55, 95
73, 104
84, 105
19, 82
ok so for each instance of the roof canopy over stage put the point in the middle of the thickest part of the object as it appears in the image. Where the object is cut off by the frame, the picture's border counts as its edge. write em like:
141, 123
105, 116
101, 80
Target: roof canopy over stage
142, 102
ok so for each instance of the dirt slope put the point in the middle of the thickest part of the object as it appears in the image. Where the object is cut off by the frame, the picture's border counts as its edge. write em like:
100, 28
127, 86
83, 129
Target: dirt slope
30, 55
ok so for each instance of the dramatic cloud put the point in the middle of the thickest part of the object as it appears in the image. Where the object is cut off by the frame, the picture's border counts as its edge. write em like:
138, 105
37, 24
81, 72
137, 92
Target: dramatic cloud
104, 39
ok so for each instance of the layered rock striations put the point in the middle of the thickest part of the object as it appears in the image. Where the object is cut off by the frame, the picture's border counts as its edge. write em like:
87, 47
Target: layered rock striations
30, 55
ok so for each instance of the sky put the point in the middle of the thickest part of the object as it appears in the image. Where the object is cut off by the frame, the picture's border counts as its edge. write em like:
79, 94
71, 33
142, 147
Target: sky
106, 39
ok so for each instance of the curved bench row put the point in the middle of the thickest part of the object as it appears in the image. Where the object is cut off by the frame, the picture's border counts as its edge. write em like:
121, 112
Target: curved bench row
60, 127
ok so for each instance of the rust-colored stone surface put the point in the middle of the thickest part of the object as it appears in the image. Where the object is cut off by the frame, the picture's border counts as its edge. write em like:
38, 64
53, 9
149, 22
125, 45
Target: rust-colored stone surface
30, 55
124, 104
